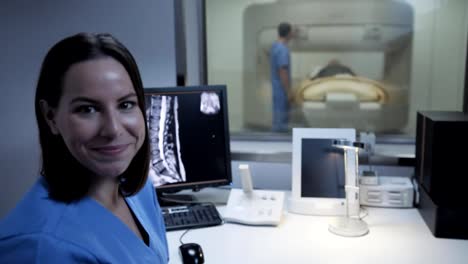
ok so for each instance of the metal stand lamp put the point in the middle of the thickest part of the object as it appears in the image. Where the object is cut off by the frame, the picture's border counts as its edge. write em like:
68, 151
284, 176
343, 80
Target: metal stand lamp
350, 225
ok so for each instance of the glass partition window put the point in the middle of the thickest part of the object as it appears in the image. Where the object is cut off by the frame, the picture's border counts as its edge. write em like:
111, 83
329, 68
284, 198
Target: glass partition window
366, 64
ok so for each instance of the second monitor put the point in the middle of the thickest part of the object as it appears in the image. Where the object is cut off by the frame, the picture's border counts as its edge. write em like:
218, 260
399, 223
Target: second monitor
189, 135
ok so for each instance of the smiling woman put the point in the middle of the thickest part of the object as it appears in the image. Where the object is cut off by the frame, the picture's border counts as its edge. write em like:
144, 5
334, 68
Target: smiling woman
93, 202
98, 117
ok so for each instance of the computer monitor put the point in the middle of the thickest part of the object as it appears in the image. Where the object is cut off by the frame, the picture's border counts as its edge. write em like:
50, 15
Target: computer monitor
189, 136
318, 171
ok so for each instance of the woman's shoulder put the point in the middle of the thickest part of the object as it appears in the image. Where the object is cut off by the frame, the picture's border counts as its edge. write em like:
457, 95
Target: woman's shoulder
42, 248
29, 231
35, 213
146, 197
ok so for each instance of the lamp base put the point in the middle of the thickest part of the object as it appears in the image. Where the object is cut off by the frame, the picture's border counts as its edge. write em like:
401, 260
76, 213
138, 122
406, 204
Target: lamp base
348, 227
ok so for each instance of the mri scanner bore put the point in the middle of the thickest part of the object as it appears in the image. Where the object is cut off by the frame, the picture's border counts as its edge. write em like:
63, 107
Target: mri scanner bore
350, 63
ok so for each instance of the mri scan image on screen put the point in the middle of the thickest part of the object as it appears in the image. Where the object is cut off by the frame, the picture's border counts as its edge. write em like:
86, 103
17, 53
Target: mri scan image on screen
166, 165
189, 137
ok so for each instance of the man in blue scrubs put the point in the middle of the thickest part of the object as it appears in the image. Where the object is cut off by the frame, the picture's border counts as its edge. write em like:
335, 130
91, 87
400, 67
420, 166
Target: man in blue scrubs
280, 72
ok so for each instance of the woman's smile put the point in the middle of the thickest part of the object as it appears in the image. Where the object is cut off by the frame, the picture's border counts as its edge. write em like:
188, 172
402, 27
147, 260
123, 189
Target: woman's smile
111, 150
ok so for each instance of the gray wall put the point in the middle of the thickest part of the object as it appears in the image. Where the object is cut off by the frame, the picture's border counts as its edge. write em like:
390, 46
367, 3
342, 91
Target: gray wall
28, 29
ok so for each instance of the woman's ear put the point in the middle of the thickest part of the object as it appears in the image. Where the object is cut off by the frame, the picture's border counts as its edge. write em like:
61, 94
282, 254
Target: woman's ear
49, 115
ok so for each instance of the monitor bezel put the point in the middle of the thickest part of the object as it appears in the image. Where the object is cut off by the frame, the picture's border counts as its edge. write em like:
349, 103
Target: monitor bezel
196, 186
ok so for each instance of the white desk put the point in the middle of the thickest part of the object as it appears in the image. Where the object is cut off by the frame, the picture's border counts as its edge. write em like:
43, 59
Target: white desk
396, 236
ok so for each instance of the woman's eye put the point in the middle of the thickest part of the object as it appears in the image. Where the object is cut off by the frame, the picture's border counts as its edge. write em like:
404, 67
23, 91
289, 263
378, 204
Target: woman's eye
127, 105
85, 109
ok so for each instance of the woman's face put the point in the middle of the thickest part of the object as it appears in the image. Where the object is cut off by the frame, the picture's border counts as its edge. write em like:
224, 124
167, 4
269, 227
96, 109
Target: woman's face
98, 116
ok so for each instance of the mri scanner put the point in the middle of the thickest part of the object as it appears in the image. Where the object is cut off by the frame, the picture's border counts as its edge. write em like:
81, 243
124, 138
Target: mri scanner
371, 37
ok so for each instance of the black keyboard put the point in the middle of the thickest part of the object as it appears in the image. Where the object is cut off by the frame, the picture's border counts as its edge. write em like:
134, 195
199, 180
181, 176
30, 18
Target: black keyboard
190, 216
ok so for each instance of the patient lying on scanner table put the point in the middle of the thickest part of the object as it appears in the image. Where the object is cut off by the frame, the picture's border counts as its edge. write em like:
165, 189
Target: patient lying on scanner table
334, 67
339, 78
336, 96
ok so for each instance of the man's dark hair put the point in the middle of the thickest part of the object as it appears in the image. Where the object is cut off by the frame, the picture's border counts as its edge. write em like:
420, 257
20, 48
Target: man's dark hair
67, 179
283, 29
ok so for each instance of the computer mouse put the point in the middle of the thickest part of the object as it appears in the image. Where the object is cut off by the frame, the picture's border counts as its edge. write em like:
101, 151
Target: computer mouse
191, 253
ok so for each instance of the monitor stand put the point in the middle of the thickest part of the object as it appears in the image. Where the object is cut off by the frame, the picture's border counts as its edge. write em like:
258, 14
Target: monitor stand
170, 199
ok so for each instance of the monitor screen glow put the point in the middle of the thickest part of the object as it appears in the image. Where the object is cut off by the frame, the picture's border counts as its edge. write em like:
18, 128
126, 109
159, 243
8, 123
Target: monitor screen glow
189, 136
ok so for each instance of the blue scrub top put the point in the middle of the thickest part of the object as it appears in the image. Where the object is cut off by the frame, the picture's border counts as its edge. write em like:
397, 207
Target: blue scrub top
279, 58
41, 230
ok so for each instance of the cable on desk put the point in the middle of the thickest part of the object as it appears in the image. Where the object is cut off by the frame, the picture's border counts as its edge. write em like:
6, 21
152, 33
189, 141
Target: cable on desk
365, 211
183, 234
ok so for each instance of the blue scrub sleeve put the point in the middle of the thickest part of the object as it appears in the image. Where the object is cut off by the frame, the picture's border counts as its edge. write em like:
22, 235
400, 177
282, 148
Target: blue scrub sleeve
283, 58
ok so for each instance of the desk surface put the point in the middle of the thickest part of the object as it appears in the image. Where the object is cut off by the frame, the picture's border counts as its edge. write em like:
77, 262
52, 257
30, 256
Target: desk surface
396, 236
